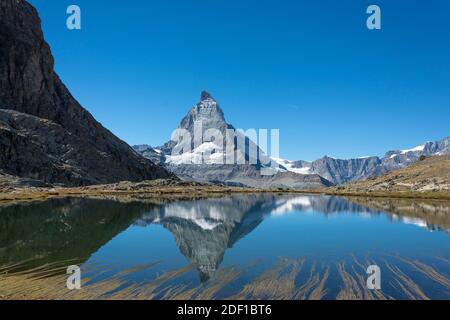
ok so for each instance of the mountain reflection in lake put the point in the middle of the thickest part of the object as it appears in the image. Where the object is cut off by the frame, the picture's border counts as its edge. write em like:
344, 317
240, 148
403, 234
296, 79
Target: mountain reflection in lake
241, 246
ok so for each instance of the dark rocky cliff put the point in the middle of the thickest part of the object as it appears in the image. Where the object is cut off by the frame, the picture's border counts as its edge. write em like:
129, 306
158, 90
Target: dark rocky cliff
62, 143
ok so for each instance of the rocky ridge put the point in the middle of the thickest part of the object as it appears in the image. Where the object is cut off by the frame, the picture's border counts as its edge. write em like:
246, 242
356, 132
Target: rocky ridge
46, 134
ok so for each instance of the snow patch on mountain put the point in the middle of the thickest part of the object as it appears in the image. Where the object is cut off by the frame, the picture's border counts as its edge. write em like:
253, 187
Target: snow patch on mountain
415, 149
206, 153
290, 166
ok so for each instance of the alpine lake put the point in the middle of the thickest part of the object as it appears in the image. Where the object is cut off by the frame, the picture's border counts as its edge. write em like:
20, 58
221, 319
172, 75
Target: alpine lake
252, 246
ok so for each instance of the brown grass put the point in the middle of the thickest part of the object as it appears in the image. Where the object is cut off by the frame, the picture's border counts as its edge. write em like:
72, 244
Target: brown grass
429, 178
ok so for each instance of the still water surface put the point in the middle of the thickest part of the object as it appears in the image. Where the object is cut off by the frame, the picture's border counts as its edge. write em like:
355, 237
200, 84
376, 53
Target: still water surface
241, 246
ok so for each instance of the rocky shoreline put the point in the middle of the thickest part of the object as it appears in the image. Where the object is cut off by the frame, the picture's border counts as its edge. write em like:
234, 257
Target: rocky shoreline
173, 189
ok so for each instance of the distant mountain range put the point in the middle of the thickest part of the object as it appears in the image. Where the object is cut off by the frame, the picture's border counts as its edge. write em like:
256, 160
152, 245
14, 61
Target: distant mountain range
326, 171
340, 171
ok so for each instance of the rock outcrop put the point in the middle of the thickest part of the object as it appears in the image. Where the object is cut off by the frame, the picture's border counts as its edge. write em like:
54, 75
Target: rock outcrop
45, 134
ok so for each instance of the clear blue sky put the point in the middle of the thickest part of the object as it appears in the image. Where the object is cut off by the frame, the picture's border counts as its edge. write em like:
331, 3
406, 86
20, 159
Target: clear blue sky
310, 68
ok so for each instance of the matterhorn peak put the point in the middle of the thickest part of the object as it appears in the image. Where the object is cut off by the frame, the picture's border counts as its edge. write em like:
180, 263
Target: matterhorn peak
205, 95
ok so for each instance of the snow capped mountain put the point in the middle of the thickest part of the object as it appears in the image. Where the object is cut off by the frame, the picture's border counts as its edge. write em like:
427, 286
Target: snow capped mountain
398, 159
340, 171
205, 124
206, 159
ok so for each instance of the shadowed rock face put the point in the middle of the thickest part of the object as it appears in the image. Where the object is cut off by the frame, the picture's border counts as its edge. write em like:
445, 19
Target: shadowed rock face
62, 143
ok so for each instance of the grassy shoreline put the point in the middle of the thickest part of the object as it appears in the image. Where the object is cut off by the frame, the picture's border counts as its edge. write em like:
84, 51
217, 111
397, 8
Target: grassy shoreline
186, 191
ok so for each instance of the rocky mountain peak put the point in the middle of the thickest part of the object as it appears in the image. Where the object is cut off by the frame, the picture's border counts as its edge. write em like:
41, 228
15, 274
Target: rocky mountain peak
205, 95
208, 111
208, 106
